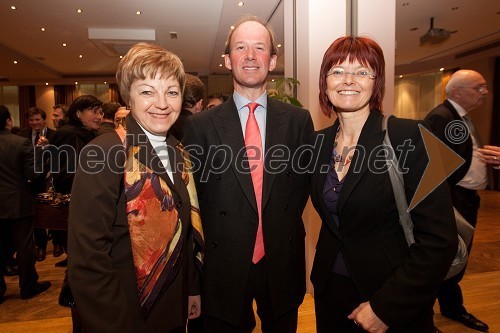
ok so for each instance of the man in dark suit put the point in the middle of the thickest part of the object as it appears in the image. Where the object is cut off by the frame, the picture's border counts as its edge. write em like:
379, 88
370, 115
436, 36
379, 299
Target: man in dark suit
252, 206
465, 91
17, 206
40, 135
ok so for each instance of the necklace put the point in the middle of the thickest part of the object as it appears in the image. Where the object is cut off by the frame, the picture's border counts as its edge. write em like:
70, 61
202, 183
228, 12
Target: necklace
339, 158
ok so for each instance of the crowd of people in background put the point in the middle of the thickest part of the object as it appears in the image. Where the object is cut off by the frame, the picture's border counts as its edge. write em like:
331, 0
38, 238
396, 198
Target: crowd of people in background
163, 235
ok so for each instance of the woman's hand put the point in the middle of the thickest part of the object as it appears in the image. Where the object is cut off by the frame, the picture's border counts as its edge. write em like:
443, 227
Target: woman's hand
194, 306
364, 316
490, 155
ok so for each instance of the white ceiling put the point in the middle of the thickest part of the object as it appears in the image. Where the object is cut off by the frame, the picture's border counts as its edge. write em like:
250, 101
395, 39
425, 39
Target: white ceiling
201, 27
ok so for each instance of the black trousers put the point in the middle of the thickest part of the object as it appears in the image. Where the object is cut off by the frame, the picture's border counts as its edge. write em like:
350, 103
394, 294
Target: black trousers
451, 301
341, 297
258, 289
20, 232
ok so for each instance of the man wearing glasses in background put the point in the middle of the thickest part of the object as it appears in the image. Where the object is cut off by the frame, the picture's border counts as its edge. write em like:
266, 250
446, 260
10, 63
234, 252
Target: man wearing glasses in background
465, 91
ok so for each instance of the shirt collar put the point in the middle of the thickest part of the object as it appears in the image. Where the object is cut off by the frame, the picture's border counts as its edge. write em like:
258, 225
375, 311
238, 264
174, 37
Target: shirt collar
241, 101
461, 111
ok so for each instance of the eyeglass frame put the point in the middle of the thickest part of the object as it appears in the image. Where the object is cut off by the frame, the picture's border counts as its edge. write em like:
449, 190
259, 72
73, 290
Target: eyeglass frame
354, 74
479, 88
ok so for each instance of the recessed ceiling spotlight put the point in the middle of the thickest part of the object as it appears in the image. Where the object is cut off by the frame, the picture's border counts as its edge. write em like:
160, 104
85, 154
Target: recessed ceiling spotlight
220, 65
79, 11
401, 76
138, 12
64, 44
46, 83
232, 27
441, 69
76, 83
105, 82
13, 7
272, 80
15, 61
43, 29
241, 3
80, 56
223, 55
121, 57
279, 45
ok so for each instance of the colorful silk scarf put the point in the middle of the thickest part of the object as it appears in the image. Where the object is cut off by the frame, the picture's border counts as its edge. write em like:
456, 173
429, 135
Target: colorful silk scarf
155, 227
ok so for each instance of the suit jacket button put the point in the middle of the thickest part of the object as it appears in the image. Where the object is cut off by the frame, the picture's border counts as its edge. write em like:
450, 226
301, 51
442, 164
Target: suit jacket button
222, 213
292, 239
178, 204
218, 177
214, 244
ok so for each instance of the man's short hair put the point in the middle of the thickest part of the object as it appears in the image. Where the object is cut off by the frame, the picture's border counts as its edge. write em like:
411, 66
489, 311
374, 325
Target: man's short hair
4, 116
34, 111
109, 110
193, 92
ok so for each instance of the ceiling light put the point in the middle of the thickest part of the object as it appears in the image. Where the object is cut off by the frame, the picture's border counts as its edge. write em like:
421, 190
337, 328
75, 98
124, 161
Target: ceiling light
272, 80
76, 83
46, 83
64, 44
15, 61
401, 76
241, 3
441, 69
121, 57
105, 82
223, 55
43, 29
138, 12
79, 11
220, 65
232, 27
279, 45
80, 56
13, 7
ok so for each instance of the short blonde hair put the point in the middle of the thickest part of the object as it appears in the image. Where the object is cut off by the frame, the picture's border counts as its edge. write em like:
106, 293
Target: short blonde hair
147, 60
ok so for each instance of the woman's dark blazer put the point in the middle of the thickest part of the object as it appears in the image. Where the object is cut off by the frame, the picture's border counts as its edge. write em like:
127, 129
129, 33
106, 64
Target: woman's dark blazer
399, 282
100, 264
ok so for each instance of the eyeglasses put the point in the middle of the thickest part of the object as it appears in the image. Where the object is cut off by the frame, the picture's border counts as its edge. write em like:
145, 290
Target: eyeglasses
480, 88
360, 74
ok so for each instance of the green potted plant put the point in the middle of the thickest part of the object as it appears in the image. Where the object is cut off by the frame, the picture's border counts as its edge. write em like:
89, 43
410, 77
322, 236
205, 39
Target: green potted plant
284, 91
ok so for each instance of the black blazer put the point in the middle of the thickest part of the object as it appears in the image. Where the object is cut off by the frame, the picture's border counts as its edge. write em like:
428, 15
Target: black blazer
100, 264
399, 282
229, 210
27, 133
17, 194
437, 120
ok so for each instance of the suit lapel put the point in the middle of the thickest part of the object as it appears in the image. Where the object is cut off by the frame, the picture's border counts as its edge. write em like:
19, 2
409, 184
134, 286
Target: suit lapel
276, 120
319, 178
371, 136
228, 126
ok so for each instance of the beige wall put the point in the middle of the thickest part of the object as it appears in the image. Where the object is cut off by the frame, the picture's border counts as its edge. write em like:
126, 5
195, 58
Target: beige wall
45, 101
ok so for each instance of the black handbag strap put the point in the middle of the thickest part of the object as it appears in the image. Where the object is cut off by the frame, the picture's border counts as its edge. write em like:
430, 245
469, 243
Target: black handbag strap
398, 187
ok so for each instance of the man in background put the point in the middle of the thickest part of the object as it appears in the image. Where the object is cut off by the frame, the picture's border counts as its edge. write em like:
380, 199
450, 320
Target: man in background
17, 207
40, 135
108, 118
216, 99
465, 91
192, 102
58, 114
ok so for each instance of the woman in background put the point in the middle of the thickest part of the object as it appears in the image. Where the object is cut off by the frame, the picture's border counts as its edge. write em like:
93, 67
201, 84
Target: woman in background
365, 276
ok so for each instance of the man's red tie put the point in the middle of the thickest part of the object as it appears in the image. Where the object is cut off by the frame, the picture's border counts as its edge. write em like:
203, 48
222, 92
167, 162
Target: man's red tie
253, 142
